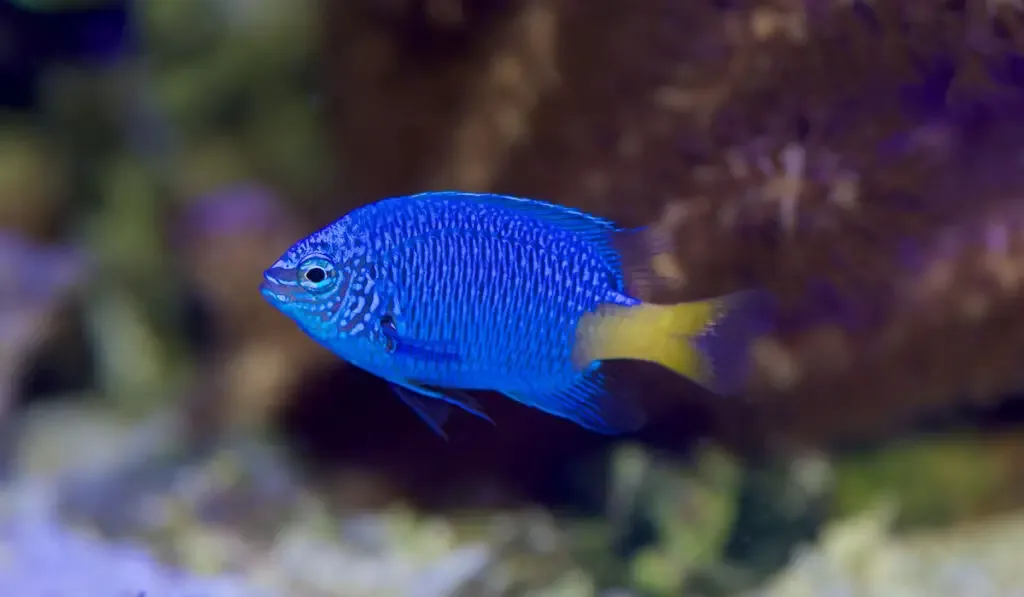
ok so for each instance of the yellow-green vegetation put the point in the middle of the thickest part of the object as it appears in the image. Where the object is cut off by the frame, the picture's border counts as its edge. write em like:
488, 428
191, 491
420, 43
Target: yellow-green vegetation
248, 107
933, 481
31, 176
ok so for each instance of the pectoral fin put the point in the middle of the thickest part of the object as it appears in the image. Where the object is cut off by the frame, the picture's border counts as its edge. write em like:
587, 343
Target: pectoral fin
429, 351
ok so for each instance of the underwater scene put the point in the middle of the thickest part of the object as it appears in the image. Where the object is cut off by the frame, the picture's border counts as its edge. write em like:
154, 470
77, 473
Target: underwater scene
212, 384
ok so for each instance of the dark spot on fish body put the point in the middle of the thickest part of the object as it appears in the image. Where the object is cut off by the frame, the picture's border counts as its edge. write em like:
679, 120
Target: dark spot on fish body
387, 324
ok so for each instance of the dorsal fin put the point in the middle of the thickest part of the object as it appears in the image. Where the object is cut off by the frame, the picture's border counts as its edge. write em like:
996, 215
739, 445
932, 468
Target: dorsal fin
596, 230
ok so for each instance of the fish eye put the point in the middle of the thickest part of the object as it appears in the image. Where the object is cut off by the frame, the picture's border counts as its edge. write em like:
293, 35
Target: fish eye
317, 274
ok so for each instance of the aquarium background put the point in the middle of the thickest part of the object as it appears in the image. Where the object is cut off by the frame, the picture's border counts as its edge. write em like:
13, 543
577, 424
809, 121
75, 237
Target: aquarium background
164, 432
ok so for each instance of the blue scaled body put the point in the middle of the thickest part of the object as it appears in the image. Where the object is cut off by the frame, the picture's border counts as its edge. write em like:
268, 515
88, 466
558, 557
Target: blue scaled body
444, 292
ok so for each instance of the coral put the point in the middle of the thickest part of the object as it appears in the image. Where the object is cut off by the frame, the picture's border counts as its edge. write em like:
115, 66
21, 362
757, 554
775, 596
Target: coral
133, 514
692, 508
859, 556
43, 556
32, 189
36, 281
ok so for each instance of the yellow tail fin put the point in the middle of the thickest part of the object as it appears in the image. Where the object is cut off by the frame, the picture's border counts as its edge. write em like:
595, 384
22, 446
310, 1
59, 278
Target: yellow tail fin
707, 341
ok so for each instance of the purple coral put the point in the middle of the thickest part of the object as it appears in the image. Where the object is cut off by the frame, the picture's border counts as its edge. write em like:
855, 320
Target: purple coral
34, 278
31, 273
239, 208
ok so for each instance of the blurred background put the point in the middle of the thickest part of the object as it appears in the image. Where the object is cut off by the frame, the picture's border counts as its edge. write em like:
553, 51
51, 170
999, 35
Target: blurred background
164, 432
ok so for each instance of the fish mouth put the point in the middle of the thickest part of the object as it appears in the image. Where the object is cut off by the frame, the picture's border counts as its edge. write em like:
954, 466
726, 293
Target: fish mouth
274, 289
268, 292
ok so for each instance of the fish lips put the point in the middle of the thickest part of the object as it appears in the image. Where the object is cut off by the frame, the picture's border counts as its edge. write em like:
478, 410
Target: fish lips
278, 286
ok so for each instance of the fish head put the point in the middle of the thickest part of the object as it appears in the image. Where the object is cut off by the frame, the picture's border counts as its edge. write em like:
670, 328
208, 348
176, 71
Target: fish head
328, 288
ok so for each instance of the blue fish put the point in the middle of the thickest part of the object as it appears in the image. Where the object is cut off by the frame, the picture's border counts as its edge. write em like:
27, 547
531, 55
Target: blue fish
446, 292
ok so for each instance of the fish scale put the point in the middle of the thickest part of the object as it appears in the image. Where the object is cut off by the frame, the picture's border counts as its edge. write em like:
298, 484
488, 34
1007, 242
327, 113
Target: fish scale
445, 249
475, 311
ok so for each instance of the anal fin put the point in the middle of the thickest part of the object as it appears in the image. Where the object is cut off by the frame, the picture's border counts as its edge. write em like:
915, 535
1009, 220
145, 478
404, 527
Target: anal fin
589, 403
433, 405
433, 412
